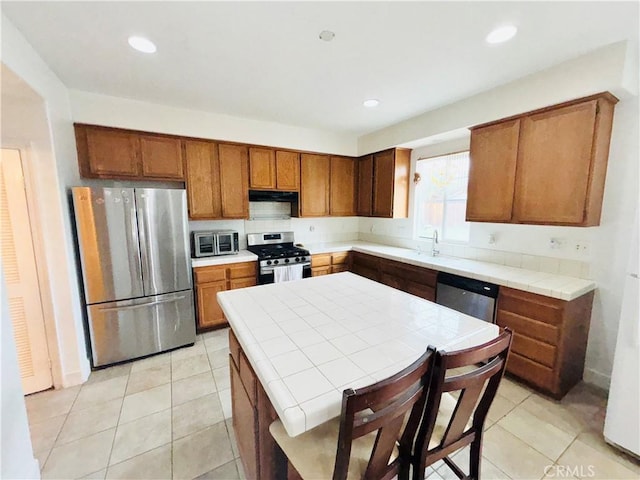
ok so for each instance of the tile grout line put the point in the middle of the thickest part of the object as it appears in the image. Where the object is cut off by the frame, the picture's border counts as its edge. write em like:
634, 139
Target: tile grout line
115, 433
61, 427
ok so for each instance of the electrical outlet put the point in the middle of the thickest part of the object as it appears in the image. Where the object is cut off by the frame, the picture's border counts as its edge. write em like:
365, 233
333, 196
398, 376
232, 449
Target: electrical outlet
311, 228
582, 247
555, 243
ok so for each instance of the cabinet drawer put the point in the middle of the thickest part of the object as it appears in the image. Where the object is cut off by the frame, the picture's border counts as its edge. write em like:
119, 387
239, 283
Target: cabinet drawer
339, 268
318, 271
417, 275
242, 283
366, 261
234, 348
391, 281
321, 260
210, 274
340, 258
529, 305
419, 290
526, 326
531, 371
242, 270
248, 378
534, 349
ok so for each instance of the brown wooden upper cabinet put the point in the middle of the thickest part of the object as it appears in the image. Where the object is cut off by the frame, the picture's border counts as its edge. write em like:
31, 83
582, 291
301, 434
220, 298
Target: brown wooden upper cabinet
383, 184
203, 179
274, 169
343, 186
262, 168
113, 153
314, 189
216, 180
161, 157
234, 166
365, 186
544, 167
287, 170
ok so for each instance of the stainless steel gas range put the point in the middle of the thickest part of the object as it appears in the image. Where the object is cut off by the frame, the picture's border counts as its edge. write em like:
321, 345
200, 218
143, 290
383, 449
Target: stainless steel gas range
275, 249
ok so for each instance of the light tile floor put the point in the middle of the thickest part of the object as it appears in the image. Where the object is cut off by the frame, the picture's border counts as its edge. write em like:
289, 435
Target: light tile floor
168, 416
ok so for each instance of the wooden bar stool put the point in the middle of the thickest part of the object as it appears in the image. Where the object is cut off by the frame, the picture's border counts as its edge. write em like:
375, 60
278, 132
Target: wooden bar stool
449, 424
363, 441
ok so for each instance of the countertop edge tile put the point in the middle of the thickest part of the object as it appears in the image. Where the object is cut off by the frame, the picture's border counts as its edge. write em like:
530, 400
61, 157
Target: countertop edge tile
241, 256
503, 275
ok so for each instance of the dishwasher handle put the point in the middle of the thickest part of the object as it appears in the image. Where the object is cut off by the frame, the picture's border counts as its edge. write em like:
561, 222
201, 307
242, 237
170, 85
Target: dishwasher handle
476, 286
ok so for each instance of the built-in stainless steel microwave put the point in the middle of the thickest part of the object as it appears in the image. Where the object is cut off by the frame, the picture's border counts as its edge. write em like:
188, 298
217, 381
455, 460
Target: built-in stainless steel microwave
214, 242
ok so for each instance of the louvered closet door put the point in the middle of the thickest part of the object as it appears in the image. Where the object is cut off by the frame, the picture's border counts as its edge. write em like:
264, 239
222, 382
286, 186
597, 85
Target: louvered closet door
21, 278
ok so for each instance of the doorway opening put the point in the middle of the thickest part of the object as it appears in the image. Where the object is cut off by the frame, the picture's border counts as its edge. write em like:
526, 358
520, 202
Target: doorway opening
20, 272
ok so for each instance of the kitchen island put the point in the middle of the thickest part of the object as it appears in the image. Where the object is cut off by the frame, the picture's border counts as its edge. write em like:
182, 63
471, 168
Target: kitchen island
296, 346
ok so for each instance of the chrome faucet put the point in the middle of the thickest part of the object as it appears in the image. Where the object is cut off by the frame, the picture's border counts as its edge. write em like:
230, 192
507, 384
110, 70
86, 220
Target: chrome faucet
434, 242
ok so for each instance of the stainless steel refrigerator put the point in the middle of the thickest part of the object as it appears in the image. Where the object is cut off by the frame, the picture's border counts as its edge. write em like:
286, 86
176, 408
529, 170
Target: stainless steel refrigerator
134, 249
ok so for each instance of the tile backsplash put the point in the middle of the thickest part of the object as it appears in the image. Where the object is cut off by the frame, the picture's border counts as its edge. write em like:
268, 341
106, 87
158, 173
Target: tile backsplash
271, 216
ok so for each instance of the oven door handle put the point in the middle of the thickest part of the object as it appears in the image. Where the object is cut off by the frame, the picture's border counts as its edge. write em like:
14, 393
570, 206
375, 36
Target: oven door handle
269, 270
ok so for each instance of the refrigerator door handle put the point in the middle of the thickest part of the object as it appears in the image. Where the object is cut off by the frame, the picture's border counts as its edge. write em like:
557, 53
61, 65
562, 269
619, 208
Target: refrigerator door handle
147, 278
133, 237
144, 305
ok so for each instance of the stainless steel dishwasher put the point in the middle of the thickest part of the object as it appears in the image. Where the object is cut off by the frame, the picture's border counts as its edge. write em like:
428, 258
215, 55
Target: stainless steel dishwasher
466, 295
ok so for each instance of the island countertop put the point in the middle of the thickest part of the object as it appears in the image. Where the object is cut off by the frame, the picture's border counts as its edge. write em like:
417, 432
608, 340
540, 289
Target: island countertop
309, 340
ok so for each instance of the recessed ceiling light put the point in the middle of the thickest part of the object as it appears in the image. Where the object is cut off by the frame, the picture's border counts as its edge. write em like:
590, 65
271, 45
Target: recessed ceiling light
326, 35
372, 102
502, 34
142, 44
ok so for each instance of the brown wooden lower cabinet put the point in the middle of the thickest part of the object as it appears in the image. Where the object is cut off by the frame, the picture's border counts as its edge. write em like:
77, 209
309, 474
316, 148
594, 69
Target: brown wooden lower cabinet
365, 265
252, 415
326, 263
550, 338
550, 335
218, 278
417, 281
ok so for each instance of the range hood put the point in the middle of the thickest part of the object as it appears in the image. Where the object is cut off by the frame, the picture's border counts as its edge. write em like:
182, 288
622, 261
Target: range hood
272, 196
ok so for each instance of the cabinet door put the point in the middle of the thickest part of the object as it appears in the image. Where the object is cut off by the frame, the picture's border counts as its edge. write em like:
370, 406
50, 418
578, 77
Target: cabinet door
111, 153
209, 312
245, 424
287, 171
383, 183
262, 168
365, 186
492, 172
318, 271
203, 180
343, 186
161, 157
315, 170
554, 165
233, 180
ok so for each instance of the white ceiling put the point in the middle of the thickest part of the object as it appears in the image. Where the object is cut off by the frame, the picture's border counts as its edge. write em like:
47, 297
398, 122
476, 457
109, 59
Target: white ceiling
264, 60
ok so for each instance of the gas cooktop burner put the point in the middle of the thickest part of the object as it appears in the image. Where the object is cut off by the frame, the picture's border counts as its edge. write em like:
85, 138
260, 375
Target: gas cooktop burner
278, 251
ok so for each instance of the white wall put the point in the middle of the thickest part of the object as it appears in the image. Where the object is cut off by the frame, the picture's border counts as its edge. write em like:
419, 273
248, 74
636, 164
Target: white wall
99, 109
609, 68
16, 457
55, 170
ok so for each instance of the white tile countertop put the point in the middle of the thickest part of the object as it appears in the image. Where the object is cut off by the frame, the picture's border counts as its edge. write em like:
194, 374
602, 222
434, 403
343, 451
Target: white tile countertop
311, 339
548, 284
241, 256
